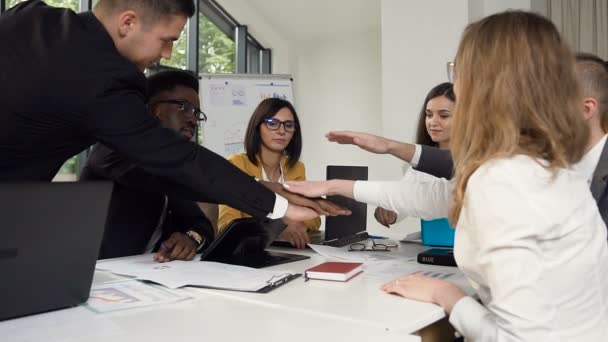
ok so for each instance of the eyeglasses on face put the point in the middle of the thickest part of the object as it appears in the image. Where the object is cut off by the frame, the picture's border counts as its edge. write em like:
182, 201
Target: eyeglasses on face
451, 72
186, 108
362, 247
275, 124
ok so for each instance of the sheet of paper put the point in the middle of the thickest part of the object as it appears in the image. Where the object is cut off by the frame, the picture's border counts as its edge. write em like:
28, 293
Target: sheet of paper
129, 294
62, 325
342, 253
177, 273
415, 237
397, 268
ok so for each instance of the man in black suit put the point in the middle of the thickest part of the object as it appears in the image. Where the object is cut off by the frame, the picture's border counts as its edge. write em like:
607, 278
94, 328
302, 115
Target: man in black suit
592, 72
140, 217
69, 80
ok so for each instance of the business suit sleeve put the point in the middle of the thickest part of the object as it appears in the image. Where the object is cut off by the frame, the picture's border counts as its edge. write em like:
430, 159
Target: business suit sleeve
313, 224
119, 120
187, 215
104, 163
226, 213
436, 162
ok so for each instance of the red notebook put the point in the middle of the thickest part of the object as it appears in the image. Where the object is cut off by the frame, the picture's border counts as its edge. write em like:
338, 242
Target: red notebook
337, 271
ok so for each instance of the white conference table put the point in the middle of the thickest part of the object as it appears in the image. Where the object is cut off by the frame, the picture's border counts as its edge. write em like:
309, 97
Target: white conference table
359, 301
356, 310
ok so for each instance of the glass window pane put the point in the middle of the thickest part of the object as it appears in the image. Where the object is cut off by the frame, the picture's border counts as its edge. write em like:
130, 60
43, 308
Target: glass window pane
67, 171
72, 4
216, 49
179, 55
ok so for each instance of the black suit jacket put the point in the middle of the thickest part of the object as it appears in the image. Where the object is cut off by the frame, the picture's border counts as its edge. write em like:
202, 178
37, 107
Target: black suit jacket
64, 86
599, 184
136, 206
436, 162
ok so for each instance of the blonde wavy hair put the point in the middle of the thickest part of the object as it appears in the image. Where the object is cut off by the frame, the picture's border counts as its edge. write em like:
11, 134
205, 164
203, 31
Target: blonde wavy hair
517, 93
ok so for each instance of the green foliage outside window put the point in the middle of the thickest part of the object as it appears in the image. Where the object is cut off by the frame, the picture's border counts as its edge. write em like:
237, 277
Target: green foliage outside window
216, 49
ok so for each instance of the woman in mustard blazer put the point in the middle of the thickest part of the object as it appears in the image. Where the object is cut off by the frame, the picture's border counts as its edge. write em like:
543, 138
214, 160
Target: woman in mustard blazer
273, 143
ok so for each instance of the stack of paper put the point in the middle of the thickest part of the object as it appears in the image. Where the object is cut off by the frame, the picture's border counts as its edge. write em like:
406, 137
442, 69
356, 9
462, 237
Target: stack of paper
177, 273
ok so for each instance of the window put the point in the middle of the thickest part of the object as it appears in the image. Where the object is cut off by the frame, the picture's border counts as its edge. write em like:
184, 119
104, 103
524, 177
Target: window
216, 49
72, 4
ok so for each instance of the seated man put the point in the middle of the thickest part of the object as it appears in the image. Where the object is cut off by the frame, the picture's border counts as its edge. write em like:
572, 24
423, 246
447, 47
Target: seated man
142, 214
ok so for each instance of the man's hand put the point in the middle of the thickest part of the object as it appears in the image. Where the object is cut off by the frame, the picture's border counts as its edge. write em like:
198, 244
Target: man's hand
320, 205
178, 246
368, 142
385, 217
295, 233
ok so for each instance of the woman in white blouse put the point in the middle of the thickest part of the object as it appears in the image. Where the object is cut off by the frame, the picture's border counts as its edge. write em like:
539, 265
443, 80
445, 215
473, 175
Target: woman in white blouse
529, 236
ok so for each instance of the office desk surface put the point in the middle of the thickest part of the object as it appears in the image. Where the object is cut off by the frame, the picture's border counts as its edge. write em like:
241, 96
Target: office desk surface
359, 300
356, 310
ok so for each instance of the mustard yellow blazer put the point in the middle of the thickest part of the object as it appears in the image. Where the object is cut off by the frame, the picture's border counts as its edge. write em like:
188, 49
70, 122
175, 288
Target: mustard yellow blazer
297, 172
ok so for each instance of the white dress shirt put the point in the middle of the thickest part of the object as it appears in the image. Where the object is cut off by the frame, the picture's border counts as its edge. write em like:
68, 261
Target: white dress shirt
532, 244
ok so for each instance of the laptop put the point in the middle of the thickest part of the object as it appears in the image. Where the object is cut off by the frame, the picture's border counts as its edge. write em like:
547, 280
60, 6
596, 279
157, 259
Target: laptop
49, 242
341, 230
244, 243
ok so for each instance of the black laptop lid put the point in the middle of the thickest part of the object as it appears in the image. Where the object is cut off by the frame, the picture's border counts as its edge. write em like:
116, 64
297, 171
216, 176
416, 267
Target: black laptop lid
244, 242
50, 236
338, 227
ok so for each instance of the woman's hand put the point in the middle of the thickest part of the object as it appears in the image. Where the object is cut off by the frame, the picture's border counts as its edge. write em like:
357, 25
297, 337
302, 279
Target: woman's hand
426, 289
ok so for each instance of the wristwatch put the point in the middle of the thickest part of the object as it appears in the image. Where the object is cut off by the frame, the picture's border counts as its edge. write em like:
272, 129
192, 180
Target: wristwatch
198, 239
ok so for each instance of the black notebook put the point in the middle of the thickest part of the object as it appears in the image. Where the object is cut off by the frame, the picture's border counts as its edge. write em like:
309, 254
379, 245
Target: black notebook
437, 256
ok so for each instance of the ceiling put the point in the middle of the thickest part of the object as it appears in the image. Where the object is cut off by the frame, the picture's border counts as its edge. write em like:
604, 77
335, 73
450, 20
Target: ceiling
306, 19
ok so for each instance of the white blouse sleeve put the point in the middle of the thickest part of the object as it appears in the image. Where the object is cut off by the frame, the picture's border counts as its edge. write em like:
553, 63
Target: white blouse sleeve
417, 194
504, 223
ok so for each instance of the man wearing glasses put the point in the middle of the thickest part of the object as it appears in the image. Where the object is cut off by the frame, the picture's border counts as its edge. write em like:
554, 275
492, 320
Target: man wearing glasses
144, 216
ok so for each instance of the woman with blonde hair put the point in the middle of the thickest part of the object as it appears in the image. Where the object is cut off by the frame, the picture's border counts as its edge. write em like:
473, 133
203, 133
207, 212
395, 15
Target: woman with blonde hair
529, 236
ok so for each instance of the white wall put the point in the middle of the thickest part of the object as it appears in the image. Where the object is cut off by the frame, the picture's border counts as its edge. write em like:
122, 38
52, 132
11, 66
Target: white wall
481, 8
414, 57
337, 87
259, 27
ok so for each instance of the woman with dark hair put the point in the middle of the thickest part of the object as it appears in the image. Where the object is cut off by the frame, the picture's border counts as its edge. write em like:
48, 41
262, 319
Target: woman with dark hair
435, 120
434, 126
273, 144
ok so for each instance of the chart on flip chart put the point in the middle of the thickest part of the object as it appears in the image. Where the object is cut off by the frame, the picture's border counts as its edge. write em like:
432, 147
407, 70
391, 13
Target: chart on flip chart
229, 100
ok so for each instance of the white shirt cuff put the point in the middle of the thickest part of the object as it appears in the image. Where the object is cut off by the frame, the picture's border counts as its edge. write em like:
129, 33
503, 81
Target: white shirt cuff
416, 157
280, 208
467, 316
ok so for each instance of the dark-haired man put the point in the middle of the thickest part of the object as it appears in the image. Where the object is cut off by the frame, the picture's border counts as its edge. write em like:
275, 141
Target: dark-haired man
69, 80
143, 217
